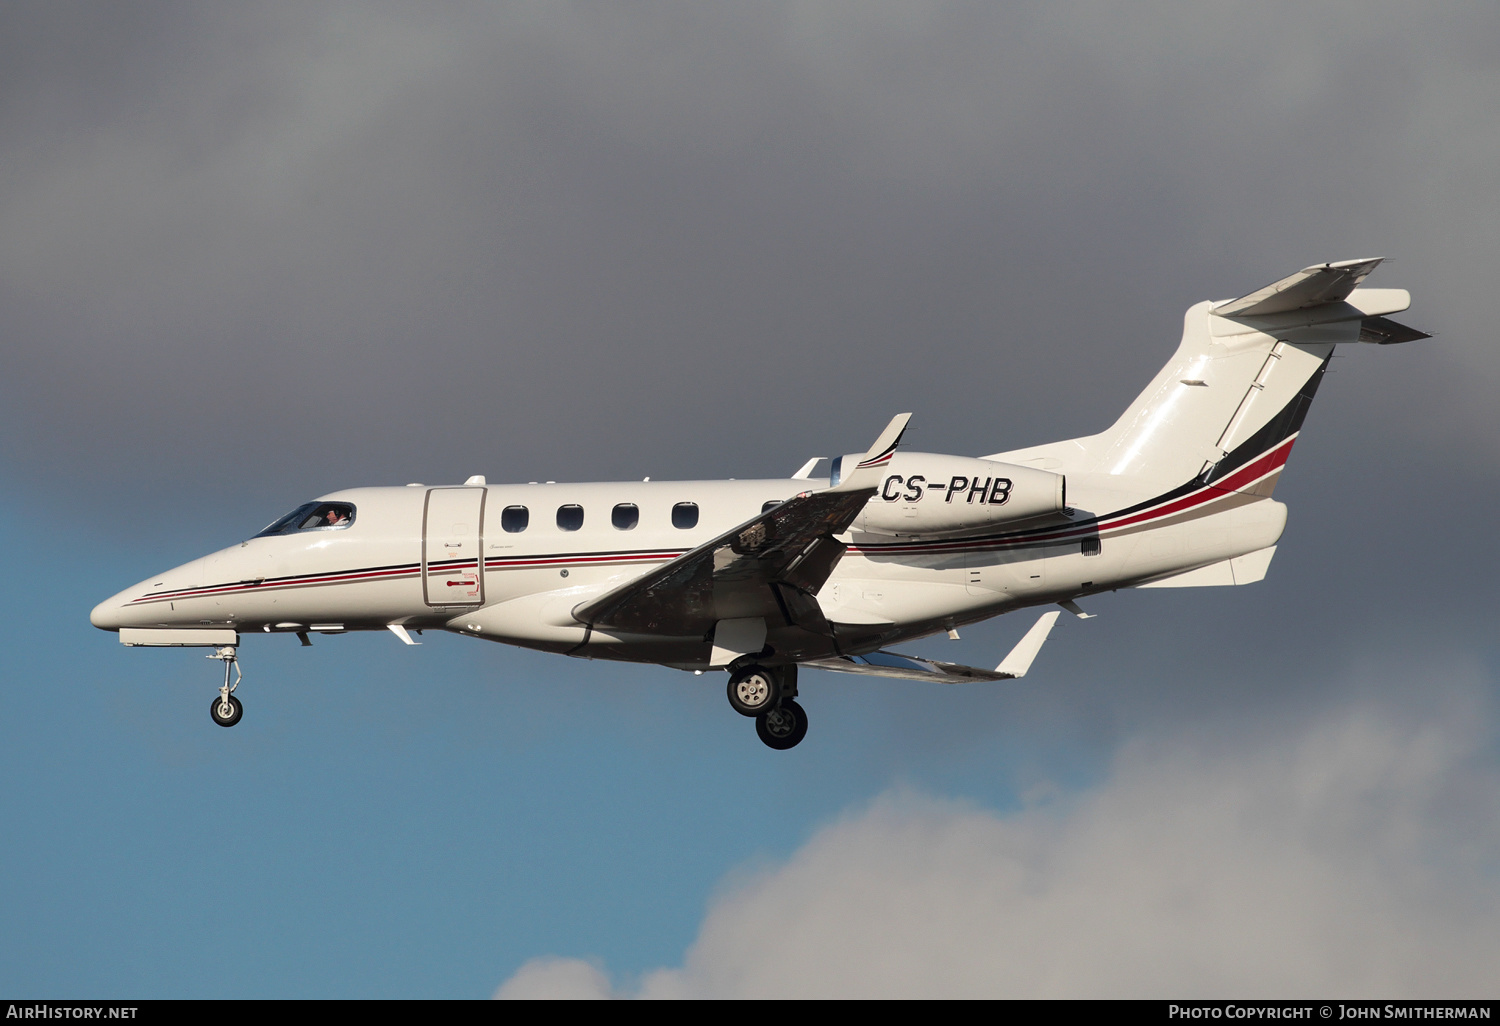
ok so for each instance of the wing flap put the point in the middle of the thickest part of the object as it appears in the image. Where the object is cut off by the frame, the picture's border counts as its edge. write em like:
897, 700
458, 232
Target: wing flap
905, 667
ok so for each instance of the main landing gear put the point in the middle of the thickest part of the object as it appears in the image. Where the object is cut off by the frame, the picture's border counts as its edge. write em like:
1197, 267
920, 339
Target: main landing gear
769, 695
783, 727
226, 709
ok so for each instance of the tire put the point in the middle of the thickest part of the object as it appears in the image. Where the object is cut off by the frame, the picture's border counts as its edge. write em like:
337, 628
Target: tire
783, 727
753, 690
236, 710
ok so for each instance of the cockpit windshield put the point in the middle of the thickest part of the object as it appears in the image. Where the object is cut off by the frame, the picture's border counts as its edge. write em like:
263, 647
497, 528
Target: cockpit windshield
312, 516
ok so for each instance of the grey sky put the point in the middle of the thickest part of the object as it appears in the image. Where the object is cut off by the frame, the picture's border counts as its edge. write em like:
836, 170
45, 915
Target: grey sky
367, 243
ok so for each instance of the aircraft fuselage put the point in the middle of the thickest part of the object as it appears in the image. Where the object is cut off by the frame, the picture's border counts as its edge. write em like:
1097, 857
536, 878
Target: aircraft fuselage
442, 558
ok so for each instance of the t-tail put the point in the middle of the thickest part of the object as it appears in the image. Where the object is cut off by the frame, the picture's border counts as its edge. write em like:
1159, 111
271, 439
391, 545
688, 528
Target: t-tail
1226, 409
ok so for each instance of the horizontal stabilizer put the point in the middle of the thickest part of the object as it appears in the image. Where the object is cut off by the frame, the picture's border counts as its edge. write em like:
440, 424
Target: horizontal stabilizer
1385, 332
1311, 286
905, 667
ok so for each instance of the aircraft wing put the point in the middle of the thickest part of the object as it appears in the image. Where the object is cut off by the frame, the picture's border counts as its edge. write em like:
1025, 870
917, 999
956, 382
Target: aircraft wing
904, 667
770, 566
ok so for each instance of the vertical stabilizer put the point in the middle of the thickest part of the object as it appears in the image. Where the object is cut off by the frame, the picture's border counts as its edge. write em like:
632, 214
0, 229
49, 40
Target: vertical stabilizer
1227, 407
1219, 392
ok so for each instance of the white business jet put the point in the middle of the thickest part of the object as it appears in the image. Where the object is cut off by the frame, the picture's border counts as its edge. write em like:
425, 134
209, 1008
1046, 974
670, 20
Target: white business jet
761, 577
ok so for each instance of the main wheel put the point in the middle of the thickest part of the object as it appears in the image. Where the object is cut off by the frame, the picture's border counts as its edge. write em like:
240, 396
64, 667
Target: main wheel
216, 710
783, 727
753, 690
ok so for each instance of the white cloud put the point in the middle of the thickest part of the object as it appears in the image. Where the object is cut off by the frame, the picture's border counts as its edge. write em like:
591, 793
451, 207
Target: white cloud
543, 978
1352, 856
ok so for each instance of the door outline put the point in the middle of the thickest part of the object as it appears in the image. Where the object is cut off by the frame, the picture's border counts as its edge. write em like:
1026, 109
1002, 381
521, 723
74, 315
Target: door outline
477, 534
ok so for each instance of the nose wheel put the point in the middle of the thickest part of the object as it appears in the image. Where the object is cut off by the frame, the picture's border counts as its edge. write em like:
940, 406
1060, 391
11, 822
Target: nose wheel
226, 709
226, 713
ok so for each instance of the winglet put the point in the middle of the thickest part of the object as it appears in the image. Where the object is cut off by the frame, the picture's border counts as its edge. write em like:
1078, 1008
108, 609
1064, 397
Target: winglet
866, 473
1019, 661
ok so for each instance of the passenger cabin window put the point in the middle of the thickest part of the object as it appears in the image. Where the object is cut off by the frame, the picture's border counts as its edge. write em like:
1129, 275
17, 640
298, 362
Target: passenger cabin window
569, 518
625, 516
685, 515
312, 516
513, 519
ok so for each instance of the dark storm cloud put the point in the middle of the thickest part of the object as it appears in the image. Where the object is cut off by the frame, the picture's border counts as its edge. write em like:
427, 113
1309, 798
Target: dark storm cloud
365, 243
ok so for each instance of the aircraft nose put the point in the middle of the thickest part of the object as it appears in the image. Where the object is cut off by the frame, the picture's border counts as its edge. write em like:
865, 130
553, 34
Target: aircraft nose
106, 615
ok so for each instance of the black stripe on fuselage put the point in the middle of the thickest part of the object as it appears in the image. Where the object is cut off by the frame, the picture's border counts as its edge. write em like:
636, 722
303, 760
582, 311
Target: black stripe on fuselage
1284, 425
1287, 422
396, 570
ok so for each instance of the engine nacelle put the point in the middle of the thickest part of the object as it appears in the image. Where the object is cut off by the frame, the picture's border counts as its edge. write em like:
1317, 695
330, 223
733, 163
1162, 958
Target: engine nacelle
924, 493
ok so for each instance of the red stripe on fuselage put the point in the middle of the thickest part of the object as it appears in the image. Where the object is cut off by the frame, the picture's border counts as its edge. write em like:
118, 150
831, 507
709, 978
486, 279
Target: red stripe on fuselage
295, 582
1249, 474
1252, 472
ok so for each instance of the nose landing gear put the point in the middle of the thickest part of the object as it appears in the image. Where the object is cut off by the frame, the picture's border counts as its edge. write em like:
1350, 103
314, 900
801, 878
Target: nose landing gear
226, 709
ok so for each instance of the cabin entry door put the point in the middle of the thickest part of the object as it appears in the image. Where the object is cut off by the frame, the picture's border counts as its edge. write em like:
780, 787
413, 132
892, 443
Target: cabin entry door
452, 548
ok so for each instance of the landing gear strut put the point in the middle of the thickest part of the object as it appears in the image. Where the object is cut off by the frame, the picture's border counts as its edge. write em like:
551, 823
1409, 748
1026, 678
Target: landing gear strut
769, 695
226, 709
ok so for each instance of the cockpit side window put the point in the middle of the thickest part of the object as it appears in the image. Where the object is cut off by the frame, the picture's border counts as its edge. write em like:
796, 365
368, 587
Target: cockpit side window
283, 524
312, 516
